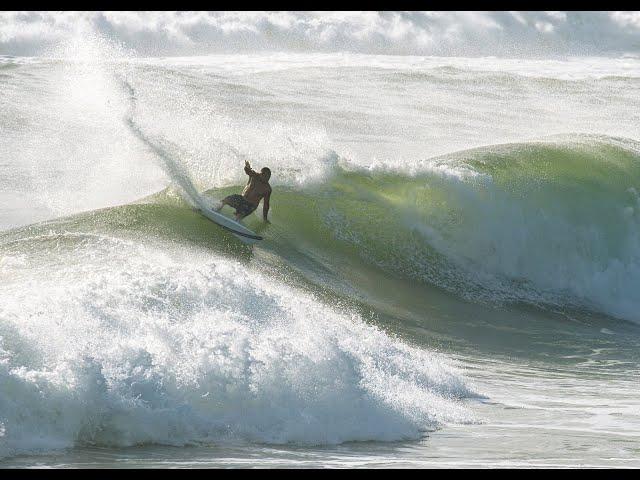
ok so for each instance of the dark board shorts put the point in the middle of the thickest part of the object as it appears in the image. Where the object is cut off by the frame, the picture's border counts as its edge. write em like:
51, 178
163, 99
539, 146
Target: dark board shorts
241, 204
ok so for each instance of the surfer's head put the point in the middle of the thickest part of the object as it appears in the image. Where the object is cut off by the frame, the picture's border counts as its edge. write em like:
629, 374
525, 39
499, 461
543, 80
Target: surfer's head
266, 173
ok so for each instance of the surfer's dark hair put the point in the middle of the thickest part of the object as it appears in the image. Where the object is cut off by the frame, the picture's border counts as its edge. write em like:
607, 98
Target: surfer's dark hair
266, 170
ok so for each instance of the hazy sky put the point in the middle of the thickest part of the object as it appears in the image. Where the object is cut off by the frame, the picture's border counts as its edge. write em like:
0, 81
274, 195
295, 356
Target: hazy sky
417, 33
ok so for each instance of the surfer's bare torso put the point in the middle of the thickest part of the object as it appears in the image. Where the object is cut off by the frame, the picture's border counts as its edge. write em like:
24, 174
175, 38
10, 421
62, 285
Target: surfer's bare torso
257, 189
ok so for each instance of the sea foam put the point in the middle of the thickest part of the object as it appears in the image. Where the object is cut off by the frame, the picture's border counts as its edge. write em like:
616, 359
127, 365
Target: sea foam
113, 343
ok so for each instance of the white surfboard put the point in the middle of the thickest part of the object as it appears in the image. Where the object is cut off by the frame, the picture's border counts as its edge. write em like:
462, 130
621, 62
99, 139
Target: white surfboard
239, 230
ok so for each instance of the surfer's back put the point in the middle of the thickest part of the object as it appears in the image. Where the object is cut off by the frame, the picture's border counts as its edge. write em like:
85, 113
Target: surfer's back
258, 186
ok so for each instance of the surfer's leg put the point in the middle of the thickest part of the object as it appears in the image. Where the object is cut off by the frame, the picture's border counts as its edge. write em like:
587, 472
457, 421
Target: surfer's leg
244, 208
225, 201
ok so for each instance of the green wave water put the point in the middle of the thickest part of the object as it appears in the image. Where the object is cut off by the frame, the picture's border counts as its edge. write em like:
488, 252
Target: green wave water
551, 223
548, 223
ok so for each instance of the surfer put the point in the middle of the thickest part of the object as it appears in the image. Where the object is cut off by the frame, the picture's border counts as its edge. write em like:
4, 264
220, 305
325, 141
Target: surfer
257, 188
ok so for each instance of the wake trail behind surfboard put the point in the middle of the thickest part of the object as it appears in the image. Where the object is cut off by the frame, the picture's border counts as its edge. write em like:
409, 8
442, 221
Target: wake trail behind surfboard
181, 179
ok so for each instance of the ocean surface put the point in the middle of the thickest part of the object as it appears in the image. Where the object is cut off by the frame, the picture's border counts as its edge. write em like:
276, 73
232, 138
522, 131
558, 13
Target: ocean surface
451, 276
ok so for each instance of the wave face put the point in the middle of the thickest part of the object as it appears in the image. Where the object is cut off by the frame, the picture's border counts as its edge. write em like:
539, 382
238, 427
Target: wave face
553, 223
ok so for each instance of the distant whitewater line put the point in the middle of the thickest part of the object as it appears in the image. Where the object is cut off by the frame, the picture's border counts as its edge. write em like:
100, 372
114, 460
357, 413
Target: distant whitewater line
535, 34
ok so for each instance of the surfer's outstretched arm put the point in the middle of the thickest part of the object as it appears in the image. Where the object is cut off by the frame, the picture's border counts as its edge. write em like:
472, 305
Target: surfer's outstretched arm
249, 171
265, 207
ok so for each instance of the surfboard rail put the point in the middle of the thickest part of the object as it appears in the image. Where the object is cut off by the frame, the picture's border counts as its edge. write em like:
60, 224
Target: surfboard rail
236, 228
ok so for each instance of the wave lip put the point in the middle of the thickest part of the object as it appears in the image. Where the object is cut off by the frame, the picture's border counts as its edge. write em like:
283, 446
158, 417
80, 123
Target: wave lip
559, 219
